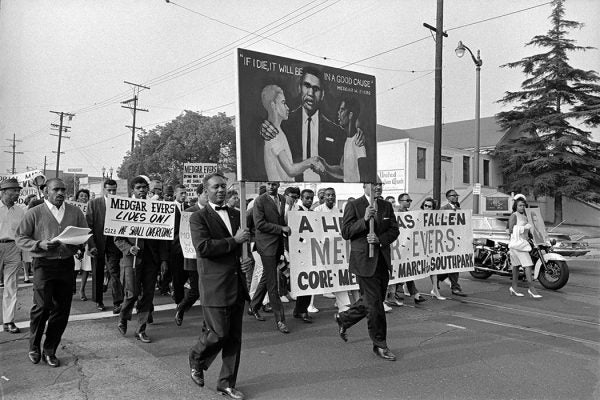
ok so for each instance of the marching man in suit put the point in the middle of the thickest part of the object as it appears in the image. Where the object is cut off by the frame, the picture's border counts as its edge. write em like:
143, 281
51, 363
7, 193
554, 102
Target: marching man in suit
218, 240
372, 273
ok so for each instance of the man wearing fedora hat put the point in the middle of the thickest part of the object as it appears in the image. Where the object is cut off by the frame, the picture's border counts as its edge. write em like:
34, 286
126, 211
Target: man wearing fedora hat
10, 255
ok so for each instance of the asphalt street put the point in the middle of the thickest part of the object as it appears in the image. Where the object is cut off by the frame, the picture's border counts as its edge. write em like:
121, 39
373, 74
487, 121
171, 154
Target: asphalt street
485, 346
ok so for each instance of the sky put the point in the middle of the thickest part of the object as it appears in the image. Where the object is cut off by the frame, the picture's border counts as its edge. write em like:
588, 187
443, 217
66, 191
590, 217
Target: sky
74, 56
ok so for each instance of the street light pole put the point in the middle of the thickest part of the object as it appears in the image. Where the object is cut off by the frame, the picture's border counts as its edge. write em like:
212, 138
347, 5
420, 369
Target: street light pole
460, 51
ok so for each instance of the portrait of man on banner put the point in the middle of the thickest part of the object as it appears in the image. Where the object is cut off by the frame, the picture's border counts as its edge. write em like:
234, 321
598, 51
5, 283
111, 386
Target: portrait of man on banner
310, 123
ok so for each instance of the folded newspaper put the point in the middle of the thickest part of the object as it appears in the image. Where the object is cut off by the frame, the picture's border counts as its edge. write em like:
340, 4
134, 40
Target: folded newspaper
74, 235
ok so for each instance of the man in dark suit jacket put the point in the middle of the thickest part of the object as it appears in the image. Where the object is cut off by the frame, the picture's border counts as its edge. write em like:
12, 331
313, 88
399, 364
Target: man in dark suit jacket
453, 204
218, 241
372, 272
269, 219
103, 250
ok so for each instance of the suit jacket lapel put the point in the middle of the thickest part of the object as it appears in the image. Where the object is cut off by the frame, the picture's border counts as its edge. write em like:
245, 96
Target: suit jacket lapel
214, 215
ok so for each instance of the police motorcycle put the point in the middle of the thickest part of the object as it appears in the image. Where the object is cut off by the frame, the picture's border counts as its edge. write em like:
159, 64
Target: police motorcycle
491, 257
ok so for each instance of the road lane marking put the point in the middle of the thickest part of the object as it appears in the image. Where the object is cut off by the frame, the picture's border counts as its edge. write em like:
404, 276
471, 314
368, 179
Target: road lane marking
525, 328
456, 326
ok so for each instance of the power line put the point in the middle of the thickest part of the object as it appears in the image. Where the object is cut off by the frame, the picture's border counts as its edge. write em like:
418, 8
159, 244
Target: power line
498, 16
14, 151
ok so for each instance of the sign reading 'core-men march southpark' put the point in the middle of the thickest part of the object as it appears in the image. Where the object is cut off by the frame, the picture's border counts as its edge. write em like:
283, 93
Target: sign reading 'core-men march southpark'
300, 121
430, 243
139, 218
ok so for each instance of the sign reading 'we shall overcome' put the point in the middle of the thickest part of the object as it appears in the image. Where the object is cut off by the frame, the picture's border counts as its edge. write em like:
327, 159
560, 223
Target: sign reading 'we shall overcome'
139, 218
430, 243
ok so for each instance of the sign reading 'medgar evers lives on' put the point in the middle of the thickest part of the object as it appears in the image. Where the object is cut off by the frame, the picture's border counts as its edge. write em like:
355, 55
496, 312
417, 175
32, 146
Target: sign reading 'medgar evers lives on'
430, 243
137, 218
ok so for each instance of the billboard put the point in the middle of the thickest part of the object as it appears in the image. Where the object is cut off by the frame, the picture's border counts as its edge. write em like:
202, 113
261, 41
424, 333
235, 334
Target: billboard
304, 122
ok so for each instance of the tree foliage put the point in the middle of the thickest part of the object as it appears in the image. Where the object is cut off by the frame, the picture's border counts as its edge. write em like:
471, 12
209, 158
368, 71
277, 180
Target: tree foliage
555, 157
191, 137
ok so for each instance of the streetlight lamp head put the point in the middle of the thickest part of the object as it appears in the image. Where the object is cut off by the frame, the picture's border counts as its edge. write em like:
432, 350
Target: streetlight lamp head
460, 49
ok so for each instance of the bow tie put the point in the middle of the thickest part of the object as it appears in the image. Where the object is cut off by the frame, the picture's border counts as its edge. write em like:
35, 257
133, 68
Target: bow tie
224, 208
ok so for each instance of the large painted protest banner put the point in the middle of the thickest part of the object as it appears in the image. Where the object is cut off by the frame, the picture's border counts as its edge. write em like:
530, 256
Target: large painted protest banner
185, 236
29, 182
314, 111
193, 174
430, 243
139, 218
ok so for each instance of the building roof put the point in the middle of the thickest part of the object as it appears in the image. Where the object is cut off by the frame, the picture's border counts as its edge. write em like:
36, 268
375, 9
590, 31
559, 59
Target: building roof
458, 135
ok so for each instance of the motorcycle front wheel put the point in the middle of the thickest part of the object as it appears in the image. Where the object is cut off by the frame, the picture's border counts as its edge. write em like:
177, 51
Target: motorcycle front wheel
480, 274
555, 275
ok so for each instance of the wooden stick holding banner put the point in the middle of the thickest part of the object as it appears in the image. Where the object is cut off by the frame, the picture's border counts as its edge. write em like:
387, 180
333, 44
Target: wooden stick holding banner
372, 224
243, 215
135, 255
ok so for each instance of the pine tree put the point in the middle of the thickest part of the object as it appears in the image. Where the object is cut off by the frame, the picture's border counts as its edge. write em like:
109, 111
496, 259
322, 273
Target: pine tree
554, 157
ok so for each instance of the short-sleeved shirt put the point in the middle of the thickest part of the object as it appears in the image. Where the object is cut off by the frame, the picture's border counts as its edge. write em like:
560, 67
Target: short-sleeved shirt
352, 153
273, 148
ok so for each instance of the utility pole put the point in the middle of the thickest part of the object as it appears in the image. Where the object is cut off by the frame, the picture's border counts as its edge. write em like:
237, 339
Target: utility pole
14, 152
136, 90
437, 130
61, 128
44, 165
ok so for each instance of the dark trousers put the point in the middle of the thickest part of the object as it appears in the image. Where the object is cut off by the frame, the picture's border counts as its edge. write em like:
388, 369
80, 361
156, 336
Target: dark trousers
109, 261
98, 279
191, 295
453, 276
221, 331
268, 284
139, 286
52, 295
302, 303
178, 276
372, 293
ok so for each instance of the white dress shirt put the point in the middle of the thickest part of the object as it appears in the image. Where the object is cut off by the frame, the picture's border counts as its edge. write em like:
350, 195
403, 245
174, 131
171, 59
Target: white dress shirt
224, 216
309, 174
10, 218
58, 213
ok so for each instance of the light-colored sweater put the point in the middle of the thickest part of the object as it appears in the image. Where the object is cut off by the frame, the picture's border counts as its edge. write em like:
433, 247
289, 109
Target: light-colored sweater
39, 224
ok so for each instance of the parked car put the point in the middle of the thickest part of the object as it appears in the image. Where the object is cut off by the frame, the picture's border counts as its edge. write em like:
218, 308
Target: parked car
496, 228
562, 244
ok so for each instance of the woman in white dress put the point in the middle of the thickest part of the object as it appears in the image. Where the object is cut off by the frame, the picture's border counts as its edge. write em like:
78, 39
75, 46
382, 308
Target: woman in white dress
518, 227
83, 262
277, 155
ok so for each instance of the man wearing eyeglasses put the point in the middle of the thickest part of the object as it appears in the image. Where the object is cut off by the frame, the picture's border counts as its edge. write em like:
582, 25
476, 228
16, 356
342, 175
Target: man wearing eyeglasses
454, 205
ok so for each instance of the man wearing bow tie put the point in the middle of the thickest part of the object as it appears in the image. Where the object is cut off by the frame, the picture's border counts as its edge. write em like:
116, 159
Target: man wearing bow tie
218, 240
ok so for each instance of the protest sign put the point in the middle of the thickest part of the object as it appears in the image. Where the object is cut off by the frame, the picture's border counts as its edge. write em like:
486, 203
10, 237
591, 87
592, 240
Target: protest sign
282, 91
185, 236
82, 206
139, 218
29, 181
193, 174
430, 243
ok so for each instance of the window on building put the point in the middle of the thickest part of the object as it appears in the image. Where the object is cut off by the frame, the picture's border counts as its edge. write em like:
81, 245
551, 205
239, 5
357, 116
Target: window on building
466, 169
421, 162
486, 172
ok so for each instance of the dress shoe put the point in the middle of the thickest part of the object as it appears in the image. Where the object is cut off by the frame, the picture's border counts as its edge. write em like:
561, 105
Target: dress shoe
51, 360
26, 281
198, 377
534, 295
232, 393
11, 327
255, 314
100, 307
122, 327
304, 317
341, 329
387, 308
284, 299
282, 327
267, 308
459, 293
329, 295
437, 295
419, 300
312, 309
34, 356
386, 354
178, 317
117, 309
142, 337
513, 292
83, 297
394, 302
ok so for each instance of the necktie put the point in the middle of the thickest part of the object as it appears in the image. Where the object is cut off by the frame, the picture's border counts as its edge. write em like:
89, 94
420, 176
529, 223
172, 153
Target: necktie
308, 137
217, 208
